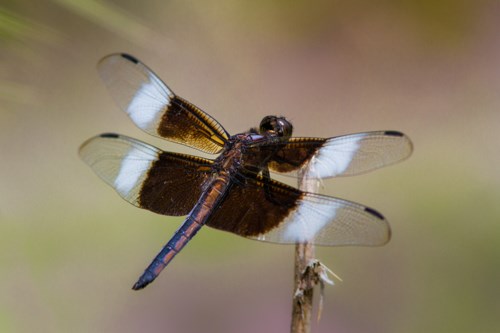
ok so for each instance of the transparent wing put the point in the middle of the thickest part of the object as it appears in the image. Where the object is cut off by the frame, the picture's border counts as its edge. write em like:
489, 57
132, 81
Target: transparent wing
155, 108
147, 177
330, 221
345, 155
274, 212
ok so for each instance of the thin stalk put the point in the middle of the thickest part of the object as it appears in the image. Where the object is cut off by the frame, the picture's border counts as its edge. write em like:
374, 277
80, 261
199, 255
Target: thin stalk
304, 281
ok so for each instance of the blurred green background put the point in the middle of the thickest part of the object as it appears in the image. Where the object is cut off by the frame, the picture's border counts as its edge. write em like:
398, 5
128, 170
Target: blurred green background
70, 248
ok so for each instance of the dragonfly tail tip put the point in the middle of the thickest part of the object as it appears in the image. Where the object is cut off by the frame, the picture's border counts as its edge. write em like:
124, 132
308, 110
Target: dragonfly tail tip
143, 281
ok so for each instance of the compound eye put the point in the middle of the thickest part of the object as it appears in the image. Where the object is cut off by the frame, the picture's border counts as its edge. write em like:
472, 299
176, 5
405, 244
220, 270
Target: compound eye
285, 127
276, 126
268, 125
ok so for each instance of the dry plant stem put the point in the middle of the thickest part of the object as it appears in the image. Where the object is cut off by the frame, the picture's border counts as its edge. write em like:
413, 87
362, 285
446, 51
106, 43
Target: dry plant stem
303, 283
303, 290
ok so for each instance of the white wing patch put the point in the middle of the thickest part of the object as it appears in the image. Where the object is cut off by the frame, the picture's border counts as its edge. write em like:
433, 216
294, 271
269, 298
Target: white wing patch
309, 219
334, 157
120, 161
133, 169
149, 102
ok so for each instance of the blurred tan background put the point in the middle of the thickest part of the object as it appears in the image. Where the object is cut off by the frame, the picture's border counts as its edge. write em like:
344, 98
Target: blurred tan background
70, 248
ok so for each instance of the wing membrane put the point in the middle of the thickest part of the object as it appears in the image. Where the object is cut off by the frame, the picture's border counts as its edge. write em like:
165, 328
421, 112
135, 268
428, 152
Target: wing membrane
155, 108
345, 155
147, 177
275, 212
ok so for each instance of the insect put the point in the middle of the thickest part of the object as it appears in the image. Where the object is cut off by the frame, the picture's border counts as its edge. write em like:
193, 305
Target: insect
233, 192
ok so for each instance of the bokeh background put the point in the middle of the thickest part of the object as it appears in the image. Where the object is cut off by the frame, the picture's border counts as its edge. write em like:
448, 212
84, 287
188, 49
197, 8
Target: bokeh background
70, 248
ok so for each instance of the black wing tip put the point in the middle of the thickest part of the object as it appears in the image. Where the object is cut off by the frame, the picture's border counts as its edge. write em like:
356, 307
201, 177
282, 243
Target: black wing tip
374, 213
404, 137
129, 58
394, 133
109, 135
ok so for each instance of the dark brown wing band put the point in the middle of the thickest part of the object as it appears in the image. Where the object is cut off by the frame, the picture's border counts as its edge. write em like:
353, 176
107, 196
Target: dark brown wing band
184, 123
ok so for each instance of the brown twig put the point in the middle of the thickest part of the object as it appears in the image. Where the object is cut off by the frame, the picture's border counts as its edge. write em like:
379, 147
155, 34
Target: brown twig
304, 278
304, 286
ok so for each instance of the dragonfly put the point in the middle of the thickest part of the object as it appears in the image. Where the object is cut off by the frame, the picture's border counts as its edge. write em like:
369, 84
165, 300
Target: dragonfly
235, 191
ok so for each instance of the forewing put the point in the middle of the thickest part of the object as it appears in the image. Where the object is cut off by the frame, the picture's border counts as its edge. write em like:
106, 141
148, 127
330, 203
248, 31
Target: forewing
345, 155
270, 211
155, 108
147, 177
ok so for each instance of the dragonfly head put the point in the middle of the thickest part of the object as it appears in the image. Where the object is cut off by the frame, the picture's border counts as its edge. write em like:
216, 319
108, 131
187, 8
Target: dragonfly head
276, 126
